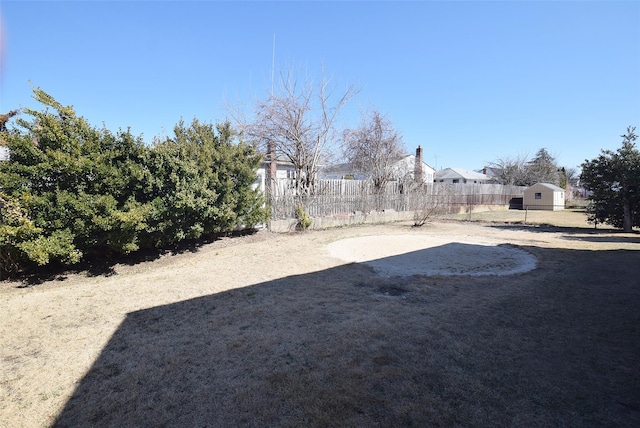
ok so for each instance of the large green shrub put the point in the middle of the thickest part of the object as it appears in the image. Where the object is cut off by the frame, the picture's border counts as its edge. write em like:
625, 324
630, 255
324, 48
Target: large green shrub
72, 191
72, 177
199, 183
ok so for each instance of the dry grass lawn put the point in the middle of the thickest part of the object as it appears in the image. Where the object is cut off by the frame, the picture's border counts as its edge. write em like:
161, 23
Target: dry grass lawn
269, 330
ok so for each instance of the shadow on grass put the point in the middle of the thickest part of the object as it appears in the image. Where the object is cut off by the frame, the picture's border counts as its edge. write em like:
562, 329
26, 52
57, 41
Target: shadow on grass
586, 233
598, 237
557, 346
105, 265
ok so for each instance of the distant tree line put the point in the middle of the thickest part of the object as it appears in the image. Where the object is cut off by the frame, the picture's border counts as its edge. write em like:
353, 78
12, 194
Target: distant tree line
73, 192
522, 171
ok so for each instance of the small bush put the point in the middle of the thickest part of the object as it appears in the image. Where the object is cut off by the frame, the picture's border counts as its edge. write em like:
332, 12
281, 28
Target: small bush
303, 218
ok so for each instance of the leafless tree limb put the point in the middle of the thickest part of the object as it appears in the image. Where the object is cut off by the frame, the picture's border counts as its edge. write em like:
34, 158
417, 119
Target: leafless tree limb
373, 147
299, 121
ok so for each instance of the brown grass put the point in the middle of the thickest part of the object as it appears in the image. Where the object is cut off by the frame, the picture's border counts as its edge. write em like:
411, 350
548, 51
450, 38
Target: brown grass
267, 330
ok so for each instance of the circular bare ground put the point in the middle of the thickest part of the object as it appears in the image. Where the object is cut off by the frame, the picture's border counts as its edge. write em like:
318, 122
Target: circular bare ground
406, 255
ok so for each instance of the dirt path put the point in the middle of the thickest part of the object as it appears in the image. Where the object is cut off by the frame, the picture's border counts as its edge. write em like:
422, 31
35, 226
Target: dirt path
52, 334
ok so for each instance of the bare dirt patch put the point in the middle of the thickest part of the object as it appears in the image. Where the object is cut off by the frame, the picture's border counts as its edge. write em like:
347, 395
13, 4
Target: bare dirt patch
403, 255
274, 330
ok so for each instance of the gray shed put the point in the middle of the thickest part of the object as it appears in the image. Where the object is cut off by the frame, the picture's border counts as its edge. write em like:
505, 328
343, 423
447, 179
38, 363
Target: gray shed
543, 196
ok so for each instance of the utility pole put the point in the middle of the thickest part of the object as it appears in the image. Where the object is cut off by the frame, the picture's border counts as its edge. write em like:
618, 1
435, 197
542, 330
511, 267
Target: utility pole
436, 156
273, 61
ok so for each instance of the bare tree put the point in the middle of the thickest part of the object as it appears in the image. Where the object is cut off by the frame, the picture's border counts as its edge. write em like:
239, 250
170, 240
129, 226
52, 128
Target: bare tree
572, 176
373, 148
512, 171
297, 123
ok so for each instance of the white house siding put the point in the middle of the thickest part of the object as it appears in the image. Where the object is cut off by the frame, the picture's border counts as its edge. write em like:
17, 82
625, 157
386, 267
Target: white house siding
283, 172
405, 169
544, 196
461, 176
4, 153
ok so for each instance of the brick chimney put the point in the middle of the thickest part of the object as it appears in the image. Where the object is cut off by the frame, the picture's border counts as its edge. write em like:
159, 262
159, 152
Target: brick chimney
272, 161
417, 170
270, 172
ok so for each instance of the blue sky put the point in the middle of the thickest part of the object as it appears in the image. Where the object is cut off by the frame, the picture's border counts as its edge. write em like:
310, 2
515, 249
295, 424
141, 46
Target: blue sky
469, 81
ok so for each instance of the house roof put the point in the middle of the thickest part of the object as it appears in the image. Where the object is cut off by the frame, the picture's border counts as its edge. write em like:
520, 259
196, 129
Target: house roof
548, 186
341, 167
349, 168
456, 173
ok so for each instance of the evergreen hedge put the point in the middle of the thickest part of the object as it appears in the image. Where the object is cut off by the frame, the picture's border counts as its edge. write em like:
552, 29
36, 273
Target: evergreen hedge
73, 192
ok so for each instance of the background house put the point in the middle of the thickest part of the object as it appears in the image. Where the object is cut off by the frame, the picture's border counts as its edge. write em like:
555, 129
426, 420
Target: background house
4, 153
402, 168
544, 196
461, 176
283, 170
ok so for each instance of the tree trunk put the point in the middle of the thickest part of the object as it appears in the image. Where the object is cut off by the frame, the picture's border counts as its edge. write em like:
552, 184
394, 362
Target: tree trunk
626, 219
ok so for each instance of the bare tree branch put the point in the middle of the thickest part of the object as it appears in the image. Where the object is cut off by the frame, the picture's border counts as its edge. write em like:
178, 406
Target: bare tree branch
511, 170
298, 119
373, 147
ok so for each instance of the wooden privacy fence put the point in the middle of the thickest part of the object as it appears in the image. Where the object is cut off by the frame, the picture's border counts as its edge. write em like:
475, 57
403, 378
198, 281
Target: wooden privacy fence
340, 197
